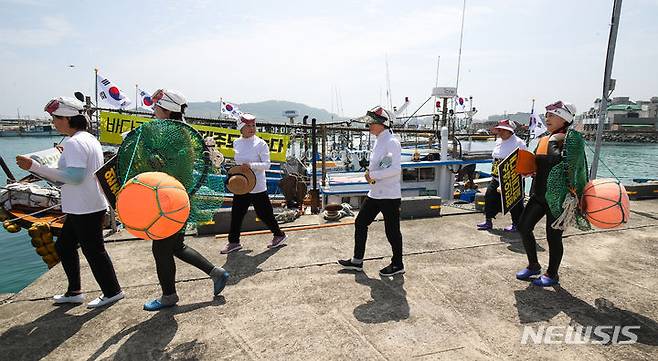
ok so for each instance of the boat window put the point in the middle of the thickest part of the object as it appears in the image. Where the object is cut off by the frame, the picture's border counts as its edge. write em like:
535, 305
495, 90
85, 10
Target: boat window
426, 175
410, 174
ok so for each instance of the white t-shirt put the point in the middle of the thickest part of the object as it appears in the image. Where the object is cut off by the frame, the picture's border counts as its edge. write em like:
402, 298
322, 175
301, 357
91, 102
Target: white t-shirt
255, 152
82, 150
385, 167
503, 149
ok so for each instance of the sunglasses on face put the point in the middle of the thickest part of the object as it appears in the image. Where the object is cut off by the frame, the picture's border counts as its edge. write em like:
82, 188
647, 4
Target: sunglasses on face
558, 105
157, 95
52, 106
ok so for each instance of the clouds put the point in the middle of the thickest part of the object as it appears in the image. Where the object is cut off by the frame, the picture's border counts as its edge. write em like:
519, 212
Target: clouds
50, 31
250, 51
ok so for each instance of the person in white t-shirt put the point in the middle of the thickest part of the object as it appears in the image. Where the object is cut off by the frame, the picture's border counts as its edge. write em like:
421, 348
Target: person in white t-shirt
252, 153
82, 202
506, 143
385, 195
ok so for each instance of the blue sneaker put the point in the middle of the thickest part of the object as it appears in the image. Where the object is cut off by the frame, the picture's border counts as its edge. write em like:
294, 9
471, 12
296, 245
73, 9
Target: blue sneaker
485, 226
219, 281
545, 281
160, 303
526, 273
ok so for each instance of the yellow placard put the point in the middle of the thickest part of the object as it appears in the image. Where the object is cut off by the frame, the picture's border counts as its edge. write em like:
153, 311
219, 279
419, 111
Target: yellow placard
511, 183
113, 124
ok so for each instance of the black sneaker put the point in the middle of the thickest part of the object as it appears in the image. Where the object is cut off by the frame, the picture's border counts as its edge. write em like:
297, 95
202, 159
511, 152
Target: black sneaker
348, 264
391, 270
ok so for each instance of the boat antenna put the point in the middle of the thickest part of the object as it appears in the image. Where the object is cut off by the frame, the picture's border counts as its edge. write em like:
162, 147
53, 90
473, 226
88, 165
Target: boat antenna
461, 38
388, 85
608, 85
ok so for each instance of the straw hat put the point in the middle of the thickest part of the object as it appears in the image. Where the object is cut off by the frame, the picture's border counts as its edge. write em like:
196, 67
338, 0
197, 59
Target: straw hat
239, 181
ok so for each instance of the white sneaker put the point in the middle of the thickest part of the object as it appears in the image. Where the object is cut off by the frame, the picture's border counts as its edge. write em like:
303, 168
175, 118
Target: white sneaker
59, 299
103, 301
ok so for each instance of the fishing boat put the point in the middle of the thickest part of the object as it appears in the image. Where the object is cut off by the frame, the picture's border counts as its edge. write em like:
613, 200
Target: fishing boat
642, 188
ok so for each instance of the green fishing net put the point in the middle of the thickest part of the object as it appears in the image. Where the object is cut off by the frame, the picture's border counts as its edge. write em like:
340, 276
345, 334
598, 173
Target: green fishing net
571, 173
175, 148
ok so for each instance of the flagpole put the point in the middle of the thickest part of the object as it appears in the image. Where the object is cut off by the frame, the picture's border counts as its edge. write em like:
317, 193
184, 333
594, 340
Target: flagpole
221, 105
135, 97
532, 113
96, 87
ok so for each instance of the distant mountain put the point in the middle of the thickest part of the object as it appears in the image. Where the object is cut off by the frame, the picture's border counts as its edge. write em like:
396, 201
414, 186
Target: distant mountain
520, 117
271, 110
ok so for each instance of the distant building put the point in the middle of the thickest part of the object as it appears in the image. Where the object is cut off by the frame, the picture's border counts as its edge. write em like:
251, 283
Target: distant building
622, 115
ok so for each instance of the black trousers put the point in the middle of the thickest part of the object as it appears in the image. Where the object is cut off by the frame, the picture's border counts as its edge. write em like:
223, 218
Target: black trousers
164, 251
390, 208
264, 211
532, 214
86, 231
493, 204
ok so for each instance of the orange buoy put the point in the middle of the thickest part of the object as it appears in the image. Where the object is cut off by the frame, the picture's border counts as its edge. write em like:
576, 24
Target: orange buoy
605, 203
153, 205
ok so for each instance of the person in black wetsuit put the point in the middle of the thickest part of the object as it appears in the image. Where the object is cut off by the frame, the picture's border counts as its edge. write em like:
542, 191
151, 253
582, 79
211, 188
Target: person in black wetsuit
170, 104
548, 154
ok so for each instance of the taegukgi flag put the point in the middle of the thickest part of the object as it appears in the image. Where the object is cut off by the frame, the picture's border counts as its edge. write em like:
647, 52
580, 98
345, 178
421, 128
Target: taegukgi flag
230, 110
145, 100
536, 127
111, 94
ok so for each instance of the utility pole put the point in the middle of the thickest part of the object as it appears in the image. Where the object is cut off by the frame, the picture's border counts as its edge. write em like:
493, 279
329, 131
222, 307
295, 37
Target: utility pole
608, 86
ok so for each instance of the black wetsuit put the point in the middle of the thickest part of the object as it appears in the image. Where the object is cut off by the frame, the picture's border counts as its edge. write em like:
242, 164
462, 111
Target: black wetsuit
547, 155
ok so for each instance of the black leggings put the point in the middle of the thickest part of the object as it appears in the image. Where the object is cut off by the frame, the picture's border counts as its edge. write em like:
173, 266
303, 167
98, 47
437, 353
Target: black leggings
532, 214
164, 251
493, 204
86, 231
264, 211
390, 208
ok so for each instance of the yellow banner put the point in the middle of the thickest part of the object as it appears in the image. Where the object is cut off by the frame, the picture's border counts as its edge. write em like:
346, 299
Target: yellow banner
113, 124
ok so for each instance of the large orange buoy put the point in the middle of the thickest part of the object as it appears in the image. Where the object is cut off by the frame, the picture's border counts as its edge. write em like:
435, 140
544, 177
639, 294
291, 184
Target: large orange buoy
605, 203
153, 205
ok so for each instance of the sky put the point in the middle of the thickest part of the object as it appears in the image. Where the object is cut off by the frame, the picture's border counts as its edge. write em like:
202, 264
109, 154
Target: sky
327, 54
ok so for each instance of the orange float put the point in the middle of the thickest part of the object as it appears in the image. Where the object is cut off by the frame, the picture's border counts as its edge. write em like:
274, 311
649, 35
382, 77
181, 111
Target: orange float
605, 203
153, 205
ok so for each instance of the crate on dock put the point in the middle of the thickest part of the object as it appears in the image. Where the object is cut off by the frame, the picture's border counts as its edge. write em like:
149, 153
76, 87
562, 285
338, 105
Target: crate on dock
420, 207
479, 202
222, 222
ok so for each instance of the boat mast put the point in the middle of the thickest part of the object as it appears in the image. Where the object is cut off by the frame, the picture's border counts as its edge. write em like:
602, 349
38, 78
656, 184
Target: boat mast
461, 38
388, 86
608, 86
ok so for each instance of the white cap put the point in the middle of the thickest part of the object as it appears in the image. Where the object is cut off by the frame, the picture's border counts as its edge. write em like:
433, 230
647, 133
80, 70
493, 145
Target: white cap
171, 100
64, 107
378, 115
506, 124
245, 118
562, 110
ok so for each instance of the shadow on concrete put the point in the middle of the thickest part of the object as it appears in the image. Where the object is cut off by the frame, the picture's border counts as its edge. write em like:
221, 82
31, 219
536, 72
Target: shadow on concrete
37, 339
389, 299
514, 240
536, 304
241, 264
148, 340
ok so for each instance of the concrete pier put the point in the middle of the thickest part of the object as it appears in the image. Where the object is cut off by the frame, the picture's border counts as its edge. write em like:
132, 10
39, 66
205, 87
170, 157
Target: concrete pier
459, 299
